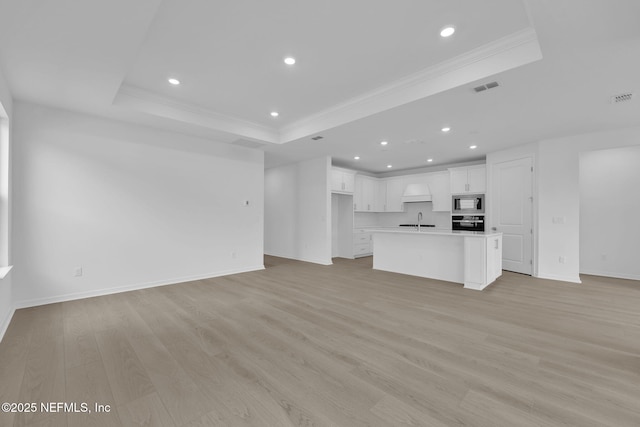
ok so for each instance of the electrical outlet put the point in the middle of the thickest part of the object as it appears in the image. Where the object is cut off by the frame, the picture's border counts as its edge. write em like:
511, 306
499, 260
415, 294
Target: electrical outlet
562, 260
77, 272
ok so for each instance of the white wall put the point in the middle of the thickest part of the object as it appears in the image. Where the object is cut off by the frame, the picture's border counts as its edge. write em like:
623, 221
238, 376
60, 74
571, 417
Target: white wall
6, 100
6, 113
409, 216
558, 197
559, 193
132, 206
609, 203
298, 211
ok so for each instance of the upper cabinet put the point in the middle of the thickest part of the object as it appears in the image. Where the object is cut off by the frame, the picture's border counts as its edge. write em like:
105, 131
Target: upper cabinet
369, 194
381, 196
342, 180
395, 188
470, 179
363, 197
440, 191
477, 179
385, 194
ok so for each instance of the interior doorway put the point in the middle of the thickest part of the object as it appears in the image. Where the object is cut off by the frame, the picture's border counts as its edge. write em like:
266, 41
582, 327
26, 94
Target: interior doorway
341, 225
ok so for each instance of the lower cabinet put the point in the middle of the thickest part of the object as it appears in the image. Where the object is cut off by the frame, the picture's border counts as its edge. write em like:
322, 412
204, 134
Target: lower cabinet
362, 243
494, 258
482, 261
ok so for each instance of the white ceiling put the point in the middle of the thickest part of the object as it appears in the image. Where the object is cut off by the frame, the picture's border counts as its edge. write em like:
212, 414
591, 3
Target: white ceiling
367, 71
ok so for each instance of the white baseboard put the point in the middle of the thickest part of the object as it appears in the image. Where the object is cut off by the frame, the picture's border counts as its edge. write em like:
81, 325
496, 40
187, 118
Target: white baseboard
108, 291
476, 286
311, 260
316, 261
572, 279
5, 322
610, 274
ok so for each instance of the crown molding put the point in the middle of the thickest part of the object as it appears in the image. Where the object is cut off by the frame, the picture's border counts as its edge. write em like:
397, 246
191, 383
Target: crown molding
506, 53
151, 103
509, 52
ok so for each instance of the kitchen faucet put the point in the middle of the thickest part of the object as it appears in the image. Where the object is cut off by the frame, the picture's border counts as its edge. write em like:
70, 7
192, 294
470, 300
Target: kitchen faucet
419, 219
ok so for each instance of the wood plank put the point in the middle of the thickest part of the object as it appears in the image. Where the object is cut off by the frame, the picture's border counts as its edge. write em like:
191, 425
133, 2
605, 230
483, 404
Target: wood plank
126, 374
147, 411
301, 344
88, 383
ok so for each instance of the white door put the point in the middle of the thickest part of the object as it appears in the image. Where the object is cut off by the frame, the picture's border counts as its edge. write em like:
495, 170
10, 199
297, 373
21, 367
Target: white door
511, 213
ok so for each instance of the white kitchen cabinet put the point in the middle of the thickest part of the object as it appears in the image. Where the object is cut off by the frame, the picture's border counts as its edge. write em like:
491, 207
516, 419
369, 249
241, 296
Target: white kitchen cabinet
395, 189
381, 196
440, 191
470, 179
362, 243
342, 180
466, 258
484, 261
494, 258
358, 194
477, 176
458, 179
369, 195
364, 194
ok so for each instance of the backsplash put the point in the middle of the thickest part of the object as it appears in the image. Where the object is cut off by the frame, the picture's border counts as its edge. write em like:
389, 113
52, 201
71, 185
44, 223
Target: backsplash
410, 216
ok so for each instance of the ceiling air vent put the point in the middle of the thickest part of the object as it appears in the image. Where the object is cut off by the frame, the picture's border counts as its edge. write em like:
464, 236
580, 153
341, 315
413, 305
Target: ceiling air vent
623, 97
315, 138
485, 87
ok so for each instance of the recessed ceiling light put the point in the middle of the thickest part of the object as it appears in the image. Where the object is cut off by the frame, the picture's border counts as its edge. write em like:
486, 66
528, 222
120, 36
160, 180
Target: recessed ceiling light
289, 60
429, 160
274, 114
356, 158
383, 143
447, 31
473, 147
173, 81
445, 129
389, 166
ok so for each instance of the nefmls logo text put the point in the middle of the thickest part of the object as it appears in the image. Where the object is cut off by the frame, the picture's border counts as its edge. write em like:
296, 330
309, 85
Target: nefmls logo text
64, 407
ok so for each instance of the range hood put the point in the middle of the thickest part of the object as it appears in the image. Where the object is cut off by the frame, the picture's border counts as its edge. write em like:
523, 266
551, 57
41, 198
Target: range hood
416, 193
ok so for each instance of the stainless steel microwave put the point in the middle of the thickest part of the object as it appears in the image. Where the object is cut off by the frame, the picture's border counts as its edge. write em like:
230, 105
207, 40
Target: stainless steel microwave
468, 204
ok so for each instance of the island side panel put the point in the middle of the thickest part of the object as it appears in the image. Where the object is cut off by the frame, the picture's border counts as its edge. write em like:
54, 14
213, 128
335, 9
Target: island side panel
421, 254
483, 261
475, 268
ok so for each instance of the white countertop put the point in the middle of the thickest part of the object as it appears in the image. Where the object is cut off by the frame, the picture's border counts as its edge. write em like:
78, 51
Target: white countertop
432, 231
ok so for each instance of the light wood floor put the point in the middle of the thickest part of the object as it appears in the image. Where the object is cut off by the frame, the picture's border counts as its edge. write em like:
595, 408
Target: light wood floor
307, 345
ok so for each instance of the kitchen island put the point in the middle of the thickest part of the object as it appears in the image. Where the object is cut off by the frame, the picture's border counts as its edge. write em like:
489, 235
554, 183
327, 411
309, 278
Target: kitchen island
471, 258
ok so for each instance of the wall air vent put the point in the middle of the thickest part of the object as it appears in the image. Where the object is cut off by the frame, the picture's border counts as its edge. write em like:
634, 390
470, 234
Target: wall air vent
623, 97
315, 138
485, 87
